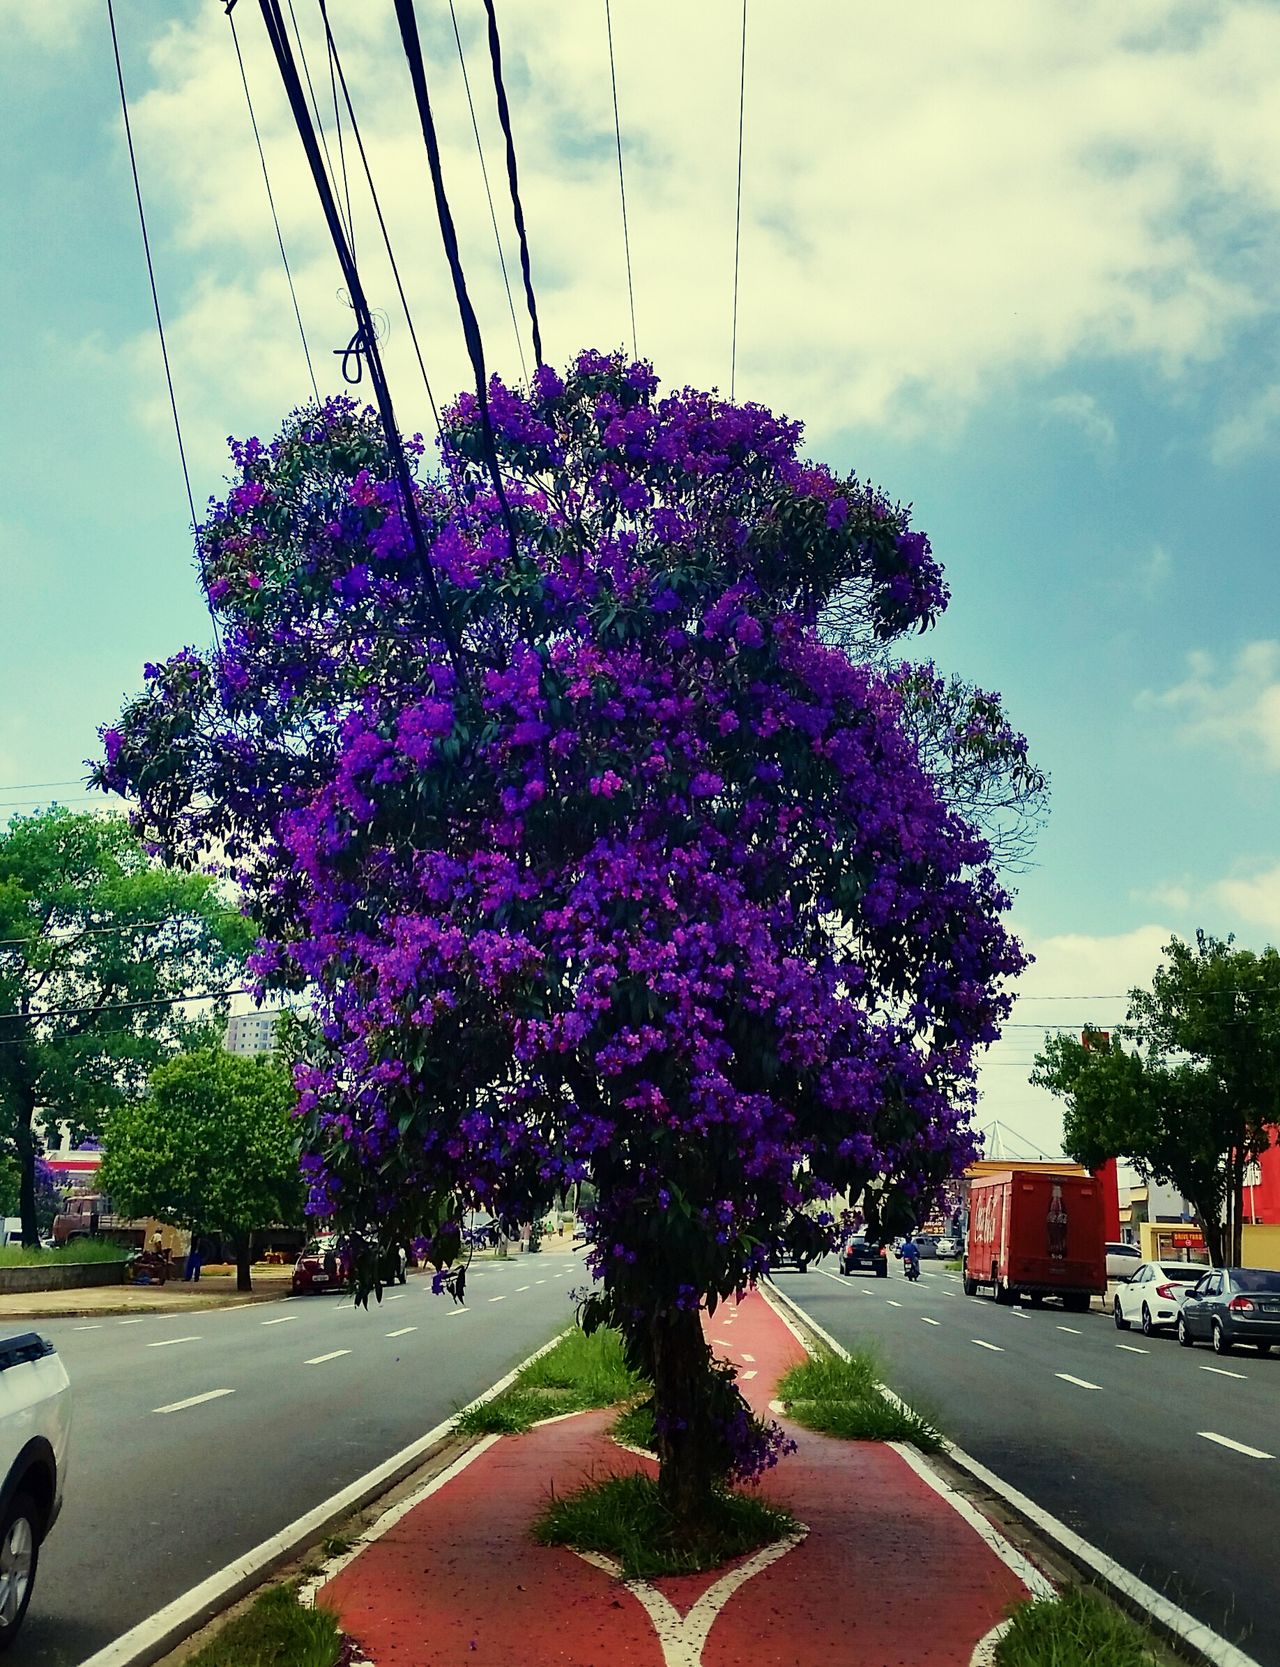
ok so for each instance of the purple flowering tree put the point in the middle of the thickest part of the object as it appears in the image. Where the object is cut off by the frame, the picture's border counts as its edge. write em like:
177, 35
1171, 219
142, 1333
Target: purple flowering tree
651, 885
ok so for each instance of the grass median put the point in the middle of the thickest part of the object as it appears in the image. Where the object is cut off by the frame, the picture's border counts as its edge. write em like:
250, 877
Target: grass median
275, 1631
844, 1398
1078, 1629
579, 1373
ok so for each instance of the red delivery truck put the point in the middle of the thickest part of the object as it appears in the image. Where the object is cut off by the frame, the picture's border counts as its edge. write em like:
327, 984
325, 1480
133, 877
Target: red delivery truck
1036, 1234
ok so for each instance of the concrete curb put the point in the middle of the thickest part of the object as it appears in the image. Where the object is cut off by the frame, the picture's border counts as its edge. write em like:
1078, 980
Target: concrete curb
162, 1632
1192, 1639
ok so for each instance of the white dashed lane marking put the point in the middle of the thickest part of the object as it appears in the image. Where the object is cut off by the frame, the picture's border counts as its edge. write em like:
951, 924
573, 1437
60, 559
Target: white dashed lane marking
539, 1281
1235, 1446
454, 1312
750, 1357
1221, 1372
502, 1298
319, 1359
892, 1303
403, 1331
87, 1328
1080, 1383
745, 1375
994, 1347
134, 1322
283, 1320
168, 1342
520, 1288
194, 1400
1130, 1349
1071, 1329
925, 1320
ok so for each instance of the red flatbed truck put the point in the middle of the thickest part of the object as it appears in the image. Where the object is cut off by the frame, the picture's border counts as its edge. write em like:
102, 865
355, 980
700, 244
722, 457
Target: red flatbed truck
1038, 1235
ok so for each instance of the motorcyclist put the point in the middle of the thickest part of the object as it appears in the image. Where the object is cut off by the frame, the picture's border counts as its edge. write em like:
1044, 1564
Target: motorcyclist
910, 1257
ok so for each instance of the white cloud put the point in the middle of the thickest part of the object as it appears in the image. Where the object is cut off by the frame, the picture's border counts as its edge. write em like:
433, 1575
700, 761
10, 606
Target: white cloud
1256, 900
1238, 704
1154, 570
1083, 411
977, 194
53, 24
1178, 898
1255, 428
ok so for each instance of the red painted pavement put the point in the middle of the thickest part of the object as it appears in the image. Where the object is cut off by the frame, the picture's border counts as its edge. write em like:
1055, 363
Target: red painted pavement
888, 1576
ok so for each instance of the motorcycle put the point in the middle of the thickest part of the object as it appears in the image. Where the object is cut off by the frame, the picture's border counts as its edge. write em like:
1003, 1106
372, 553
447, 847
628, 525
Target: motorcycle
911, 1268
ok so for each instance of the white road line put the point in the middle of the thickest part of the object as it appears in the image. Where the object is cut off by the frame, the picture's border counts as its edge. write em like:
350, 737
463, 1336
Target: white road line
925, 1320
892, 1303
319, 1359
1130, 1348
194, 1400
520, 1288
168, 1342
1235, 1446
1080, 1383
994, 1347
403, 1331
454, 1312
557, 1276
745, 1375
1018, 1314
283, 1320
502, 1298
138, 1321
1221, 1371
539, 1281
97, 1327
723, 1341
1071, 1329
750, 1357
395, 1296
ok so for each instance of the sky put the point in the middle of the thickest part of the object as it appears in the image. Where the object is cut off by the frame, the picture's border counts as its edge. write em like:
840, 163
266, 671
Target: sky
1015, 263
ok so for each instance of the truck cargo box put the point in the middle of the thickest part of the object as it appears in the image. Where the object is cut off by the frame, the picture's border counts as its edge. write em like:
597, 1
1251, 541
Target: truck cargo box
1037, 1234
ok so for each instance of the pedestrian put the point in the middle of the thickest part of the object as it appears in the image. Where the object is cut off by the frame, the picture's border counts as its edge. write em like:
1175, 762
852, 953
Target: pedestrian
191, 1271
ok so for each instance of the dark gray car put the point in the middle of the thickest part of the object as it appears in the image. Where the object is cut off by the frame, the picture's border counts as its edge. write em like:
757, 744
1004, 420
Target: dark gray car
1230, 1306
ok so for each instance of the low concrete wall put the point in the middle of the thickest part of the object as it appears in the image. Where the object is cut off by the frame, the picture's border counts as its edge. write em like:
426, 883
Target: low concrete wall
60, 1276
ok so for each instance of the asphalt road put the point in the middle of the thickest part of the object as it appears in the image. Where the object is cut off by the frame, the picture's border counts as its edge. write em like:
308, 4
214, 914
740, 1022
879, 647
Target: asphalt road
1166, 1458
305, 1396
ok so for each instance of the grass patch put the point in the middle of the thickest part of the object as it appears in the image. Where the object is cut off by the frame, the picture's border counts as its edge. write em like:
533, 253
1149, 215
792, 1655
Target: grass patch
1078, 1629
83, 1250
842, 1398
634, 1427
954, 1267
578, 1373
275, 1631
624, 1518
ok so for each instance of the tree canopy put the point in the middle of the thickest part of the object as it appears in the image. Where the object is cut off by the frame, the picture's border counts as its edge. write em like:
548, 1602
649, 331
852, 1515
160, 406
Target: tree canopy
96, 940
1193, 1099
211, 1146
648, 883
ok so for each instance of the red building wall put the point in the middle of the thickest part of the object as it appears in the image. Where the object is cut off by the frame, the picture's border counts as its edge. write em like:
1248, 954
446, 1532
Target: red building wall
1262, 1202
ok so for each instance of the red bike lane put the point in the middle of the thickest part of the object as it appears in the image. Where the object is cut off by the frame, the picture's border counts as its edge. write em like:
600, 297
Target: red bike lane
889, 1574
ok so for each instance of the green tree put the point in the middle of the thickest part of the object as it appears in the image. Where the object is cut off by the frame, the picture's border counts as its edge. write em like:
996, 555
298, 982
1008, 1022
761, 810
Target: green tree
96, 942
1193, 1099
212, 1146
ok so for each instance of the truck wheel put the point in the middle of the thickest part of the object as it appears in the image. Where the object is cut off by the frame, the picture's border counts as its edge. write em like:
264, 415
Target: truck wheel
19, 1554
970, 1287
1006, 1296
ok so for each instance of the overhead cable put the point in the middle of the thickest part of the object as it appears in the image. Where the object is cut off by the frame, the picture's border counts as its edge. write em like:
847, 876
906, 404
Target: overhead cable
448, 232
155, 302
275, 218
622, 183
484, 170
513, 180
737, 218
377, 208
315, 106
279, 39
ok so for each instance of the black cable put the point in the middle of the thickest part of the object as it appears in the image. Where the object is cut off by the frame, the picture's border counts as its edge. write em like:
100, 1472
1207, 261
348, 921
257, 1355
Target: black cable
124, 1006
315, 106
517, 208
337, 122
622, 183
274, 21
155, 301
737, 222
377, 206
449, 235
297, 311
493, 216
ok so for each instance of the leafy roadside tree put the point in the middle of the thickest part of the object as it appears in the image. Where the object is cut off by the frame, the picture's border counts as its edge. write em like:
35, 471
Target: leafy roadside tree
602, 863
96, 939
1193, 1100
48, 1190
211, 1146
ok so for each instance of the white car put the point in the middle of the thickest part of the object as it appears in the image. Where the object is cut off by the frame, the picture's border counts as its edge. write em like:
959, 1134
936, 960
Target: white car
1122, 1260
1153, 1295
35, 1430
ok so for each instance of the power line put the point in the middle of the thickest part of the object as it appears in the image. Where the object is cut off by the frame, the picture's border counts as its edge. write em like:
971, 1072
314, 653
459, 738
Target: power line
266, 180
119, 1007
493, 216
737, 222
315, 105
622, 184
155, 301
449, 236
382, 224
517, 208
337, 122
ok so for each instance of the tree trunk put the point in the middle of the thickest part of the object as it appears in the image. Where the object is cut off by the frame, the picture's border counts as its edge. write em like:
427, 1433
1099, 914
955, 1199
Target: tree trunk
244, 1262
684, 1439
1237, 1210
1212, 1231
26, 1144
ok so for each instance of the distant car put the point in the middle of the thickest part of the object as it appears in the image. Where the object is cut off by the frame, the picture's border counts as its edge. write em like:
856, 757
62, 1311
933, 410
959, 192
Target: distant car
859, 1255
35, 1431
1122, 1260
1232, 1305
788, 1259
317, 1268
1152, 1295
947, 1248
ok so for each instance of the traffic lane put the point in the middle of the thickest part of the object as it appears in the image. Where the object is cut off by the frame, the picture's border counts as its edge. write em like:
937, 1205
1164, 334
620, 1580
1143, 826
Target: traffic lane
1123, 1464
158, 1501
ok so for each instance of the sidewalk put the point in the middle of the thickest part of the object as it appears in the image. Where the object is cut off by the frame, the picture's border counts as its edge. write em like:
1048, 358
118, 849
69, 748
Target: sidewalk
218, 1290
889, 1574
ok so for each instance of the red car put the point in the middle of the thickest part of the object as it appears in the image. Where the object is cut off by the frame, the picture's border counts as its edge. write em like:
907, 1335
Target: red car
317, 1268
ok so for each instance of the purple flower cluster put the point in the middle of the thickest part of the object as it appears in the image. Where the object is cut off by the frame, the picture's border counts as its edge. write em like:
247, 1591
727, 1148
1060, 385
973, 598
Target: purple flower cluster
652, 888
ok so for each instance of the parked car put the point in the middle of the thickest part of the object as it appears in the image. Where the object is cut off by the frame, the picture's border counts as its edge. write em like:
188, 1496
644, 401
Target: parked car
1152, 1295
789, 1259
1122, 1260
947, 1248
859, 1254
317, 1268
1227, 1306
35, 1430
